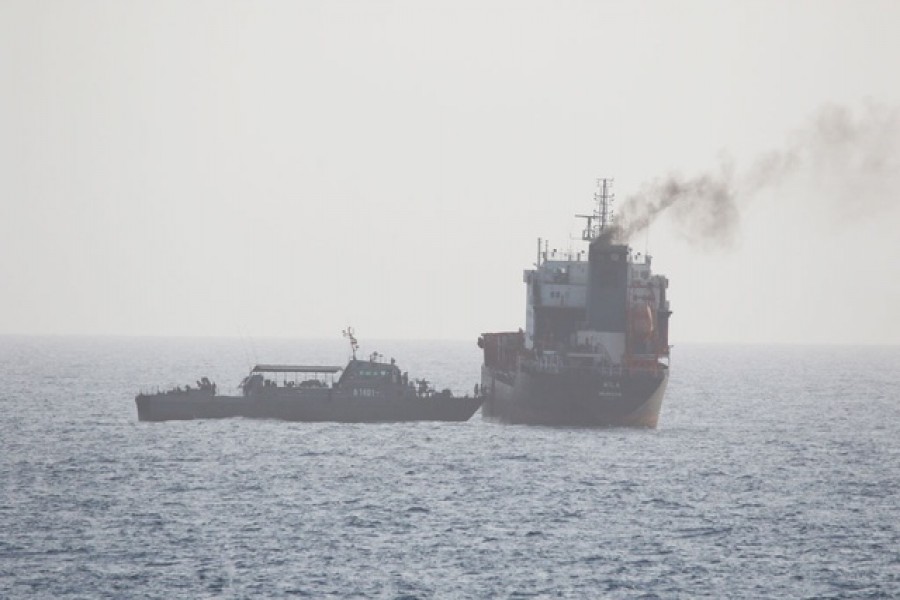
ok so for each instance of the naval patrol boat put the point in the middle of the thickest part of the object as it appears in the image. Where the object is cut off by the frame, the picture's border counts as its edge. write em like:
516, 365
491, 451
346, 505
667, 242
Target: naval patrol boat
363, 391
595, 348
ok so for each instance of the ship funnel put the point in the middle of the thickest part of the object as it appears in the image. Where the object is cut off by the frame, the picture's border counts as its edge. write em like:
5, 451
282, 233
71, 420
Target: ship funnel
607, 286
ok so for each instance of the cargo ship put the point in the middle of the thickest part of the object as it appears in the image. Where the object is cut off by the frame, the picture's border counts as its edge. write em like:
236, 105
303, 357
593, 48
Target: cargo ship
595, 348
363, 391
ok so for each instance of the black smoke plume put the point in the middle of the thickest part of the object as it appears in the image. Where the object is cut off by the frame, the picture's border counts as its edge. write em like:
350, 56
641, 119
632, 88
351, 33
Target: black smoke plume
845, 156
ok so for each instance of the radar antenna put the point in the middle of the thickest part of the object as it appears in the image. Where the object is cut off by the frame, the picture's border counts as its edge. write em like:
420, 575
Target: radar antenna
602, 216
354, 345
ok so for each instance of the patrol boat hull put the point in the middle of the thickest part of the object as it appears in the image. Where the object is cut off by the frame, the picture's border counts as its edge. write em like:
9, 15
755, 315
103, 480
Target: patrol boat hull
311, 407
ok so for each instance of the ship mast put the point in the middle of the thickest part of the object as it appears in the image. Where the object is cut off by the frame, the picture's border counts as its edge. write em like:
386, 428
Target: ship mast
602, 216
354, 345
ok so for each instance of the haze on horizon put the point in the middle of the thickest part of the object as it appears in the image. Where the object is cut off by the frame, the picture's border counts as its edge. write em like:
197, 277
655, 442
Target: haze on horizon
291, 168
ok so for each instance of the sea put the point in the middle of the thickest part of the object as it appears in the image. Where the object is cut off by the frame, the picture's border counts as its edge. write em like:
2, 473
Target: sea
774, 473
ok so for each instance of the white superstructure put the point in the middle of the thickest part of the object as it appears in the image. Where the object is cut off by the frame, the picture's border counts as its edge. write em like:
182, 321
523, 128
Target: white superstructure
602, 303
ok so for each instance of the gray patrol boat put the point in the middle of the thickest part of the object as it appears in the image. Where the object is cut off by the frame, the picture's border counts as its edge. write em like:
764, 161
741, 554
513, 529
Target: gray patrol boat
366, 391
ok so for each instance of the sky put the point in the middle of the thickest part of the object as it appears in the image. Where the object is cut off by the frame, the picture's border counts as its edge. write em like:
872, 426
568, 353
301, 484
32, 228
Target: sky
290, 168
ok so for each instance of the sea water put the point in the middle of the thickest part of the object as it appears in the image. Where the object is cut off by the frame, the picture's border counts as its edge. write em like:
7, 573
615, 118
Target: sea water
774, 472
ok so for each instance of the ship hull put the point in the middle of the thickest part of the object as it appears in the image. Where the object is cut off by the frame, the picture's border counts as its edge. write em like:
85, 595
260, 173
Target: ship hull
572, 399
309, 407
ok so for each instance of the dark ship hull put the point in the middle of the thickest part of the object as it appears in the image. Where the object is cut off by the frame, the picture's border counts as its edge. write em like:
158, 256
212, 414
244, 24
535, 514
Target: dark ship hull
312, 407
572, 400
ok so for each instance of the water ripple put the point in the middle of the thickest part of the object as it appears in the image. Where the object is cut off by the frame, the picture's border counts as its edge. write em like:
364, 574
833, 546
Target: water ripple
757, 484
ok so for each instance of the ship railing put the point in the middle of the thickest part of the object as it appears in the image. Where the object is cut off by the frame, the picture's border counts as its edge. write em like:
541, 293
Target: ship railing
563, 256
547, 362
609, 370
430, 391
453, 393
457, 393
175, 391
559, 363
537, 365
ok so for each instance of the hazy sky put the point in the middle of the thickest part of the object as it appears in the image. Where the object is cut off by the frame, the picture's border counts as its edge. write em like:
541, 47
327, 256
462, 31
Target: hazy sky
289, 168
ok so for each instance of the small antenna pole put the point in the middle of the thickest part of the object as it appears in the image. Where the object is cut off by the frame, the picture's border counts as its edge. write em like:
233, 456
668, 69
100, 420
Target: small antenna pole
354, 345
587, 234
